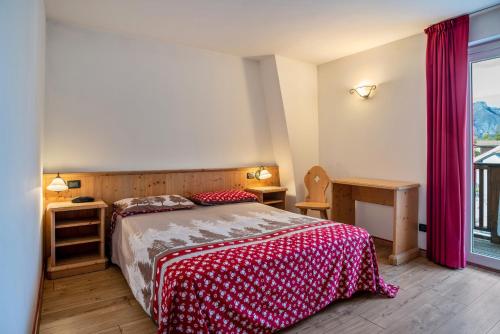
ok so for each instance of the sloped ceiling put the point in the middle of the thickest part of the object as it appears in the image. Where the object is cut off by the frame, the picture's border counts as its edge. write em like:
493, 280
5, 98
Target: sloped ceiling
314, 31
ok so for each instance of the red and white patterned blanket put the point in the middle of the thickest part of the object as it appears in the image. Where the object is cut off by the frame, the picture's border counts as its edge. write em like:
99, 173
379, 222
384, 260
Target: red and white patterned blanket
266, 283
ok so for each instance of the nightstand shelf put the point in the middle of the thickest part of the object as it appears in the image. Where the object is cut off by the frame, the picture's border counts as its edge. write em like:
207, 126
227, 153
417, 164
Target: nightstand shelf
76, 238
271, 195
61, 242
271, 202
86, 259
76, 222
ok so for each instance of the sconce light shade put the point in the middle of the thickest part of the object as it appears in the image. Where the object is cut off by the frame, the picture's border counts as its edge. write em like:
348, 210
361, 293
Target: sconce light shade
262, 174
363, 91
57, 184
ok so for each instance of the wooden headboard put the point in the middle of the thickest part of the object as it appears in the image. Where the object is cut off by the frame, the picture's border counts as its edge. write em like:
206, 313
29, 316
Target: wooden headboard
113, 186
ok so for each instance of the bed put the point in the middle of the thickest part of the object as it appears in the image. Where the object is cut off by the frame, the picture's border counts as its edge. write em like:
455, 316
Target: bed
243, 267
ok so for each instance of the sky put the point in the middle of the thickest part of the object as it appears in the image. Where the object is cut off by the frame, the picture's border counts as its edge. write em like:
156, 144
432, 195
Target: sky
486, 82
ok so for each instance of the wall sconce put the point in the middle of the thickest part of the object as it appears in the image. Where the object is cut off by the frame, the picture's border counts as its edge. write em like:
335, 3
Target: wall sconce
260, 174
363, 91
58, 184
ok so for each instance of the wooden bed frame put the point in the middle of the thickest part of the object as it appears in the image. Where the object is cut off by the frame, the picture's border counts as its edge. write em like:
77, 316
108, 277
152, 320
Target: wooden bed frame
113, 186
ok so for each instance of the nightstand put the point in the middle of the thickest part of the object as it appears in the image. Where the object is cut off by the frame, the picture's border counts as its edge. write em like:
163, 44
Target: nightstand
273, 196
76, 238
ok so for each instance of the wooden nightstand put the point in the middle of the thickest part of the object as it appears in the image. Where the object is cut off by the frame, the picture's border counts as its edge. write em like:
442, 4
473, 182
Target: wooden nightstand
273, 196
76, 238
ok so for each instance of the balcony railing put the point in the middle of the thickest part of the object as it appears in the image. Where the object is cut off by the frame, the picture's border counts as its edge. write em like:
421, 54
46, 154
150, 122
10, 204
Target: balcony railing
480, 210
486, 200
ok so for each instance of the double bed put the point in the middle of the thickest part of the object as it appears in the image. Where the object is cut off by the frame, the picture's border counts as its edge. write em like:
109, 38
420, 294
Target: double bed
241, 268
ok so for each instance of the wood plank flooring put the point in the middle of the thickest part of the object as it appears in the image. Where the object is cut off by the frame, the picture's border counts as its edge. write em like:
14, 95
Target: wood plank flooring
432, 299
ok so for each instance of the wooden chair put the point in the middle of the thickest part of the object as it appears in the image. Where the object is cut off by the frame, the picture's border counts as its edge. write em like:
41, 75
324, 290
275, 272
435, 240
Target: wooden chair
316, 182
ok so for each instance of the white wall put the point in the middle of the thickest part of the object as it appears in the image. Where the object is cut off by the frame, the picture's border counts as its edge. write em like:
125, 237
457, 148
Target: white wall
120, 103
299, 91
276, 117
384, 136
21, 105
291, 95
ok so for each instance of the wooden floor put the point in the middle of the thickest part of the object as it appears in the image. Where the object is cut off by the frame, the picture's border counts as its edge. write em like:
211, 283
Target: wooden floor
432, 299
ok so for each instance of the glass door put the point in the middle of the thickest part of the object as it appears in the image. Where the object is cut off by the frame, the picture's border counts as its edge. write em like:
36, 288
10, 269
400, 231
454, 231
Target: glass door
483, 244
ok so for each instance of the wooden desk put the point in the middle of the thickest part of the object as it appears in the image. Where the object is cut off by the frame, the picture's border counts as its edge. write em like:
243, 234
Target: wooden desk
401, 195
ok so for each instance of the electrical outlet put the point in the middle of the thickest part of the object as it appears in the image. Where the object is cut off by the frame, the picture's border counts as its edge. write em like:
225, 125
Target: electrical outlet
422, 227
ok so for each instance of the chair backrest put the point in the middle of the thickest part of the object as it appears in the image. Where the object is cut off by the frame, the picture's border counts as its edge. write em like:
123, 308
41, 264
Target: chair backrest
316, 182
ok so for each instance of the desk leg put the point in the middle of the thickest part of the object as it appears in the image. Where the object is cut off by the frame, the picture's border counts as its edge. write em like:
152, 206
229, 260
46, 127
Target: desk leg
343, 206
405, 226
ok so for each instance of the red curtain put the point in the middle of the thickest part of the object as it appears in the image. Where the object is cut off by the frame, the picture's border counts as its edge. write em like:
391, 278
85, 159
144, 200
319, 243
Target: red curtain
447, 44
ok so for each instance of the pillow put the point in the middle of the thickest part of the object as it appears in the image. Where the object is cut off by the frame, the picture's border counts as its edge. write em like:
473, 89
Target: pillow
223, 197
132, 206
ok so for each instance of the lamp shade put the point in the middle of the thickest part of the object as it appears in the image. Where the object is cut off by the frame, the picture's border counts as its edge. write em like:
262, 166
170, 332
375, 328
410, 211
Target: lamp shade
263, 174
57, 184
363, 91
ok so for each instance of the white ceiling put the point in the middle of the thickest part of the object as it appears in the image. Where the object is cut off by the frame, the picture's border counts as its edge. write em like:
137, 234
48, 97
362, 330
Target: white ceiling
315, 31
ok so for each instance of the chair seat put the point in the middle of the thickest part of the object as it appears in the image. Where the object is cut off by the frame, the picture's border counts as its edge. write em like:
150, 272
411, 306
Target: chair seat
312, 205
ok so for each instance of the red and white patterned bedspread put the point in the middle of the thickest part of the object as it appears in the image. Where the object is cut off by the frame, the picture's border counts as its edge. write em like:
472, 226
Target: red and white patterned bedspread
267, 283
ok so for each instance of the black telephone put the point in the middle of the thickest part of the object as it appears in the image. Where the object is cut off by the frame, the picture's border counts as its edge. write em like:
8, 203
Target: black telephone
82, 199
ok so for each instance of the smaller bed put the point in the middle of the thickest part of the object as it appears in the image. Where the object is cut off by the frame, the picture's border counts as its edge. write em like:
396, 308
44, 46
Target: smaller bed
243, 267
